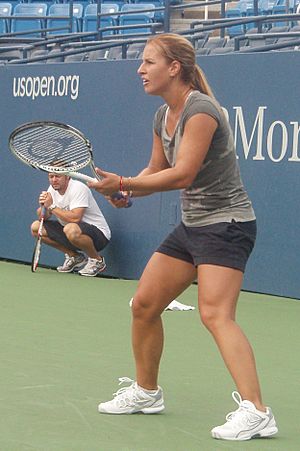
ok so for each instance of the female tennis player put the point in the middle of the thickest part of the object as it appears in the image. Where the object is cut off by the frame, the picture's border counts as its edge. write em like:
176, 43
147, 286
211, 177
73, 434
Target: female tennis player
193, 150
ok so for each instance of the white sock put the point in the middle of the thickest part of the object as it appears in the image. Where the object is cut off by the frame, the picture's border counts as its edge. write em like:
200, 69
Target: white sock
150, 392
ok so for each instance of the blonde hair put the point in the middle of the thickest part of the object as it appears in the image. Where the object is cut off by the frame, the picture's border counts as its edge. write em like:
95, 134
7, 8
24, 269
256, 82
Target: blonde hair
177, 48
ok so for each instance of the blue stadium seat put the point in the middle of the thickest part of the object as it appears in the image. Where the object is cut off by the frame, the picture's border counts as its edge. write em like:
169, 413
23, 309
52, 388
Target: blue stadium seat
5, 10
49, 2
138, 18
120, 3
266, 6
63, 9
158, 15
246, 8
29, 9
250, 13
90, 17
292, 4
235, 30
279, 9
13, 3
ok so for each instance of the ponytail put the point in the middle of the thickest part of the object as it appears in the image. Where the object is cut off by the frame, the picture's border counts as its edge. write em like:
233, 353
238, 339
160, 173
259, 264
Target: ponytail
200, 83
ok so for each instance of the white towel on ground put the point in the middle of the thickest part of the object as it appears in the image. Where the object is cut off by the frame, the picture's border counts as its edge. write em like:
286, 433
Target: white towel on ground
174, 305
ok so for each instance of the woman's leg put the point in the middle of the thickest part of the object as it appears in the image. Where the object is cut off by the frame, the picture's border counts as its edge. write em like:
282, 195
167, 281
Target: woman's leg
164, 278
219, 289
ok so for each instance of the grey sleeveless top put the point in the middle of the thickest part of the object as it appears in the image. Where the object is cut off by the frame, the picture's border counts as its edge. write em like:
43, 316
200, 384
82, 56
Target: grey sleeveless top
217, 193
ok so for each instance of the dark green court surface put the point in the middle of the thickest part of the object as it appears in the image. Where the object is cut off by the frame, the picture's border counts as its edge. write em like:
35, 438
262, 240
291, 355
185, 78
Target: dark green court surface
65, 340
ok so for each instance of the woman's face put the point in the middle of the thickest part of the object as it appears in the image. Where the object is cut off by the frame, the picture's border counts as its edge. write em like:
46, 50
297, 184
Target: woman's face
155, 71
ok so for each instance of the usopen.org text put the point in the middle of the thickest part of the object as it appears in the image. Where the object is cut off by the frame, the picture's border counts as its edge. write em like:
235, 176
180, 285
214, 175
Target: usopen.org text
46, 86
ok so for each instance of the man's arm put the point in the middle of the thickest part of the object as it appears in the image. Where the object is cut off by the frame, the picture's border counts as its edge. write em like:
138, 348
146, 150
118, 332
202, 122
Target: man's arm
74, 215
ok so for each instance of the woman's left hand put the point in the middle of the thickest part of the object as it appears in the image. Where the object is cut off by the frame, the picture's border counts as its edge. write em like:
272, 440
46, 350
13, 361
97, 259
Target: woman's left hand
119, 202
109, 184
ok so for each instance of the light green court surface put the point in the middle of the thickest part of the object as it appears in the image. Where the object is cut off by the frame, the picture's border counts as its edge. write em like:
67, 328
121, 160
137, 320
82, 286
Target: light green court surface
65, 340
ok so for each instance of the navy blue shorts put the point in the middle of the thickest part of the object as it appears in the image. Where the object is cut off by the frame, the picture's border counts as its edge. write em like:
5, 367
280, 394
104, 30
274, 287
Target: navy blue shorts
56, 233
224, 244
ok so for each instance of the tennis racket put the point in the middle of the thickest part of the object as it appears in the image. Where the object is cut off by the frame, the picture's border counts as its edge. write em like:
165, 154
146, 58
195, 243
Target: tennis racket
37, 248
55, 147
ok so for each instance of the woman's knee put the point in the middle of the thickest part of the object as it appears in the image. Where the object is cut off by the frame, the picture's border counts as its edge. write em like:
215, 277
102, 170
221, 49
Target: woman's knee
213, 317
143, 309
207, 317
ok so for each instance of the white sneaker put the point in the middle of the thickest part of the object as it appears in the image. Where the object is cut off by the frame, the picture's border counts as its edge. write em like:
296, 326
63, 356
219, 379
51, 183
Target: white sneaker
93, 267
72, 263
133, 399
246, 422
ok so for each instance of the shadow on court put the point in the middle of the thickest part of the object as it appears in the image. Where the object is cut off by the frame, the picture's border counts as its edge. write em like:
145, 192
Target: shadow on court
65, 340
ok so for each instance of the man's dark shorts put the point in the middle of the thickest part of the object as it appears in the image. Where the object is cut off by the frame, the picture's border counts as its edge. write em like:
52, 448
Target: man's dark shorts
55, 232
224, 244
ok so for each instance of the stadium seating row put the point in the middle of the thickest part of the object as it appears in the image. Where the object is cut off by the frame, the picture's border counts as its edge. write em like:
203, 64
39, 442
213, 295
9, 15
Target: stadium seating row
54, 53
244, 8
204, 45
37, 16
221, 45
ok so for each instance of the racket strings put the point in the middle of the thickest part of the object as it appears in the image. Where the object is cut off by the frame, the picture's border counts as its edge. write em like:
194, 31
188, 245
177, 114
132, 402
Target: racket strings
51, 146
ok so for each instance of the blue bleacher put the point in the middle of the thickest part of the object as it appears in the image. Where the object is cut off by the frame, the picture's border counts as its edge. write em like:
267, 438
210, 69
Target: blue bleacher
292, 5
13, 3
120, 3
264, 6
158, 15
90, 17
137, 18
235, 30
49, 2
5, 10
63, 9
279, 7
29, 9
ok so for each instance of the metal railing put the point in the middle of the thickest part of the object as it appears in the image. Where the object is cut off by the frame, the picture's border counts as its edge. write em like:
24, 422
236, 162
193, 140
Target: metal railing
102, 40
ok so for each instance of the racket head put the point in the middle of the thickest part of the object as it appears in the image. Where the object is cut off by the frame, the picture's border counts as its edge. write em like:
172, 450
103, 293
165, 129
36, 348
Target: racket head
36, 254
51, 146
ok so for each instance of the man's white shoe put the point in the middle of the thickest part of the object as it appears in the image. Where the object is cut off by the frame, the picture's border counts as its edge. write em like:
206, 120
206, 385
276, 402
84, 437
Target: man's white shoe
246, 422
133, 399
72, 263
93, 267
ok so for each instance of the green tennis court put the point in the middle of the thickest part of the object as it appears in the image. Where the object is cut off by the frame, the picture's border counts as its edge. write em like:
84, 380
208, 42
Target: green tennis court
65, 340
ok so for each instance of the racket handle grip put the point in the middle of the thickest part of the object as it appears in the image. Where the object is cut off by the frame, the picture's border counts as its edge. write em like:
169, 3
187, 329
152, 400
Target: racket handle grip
81, 177
43, 211
119, 195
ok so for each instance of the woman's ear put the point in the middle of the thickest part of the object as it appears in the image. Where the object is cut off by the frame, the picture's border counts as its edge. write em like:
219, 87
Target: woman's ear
175, 67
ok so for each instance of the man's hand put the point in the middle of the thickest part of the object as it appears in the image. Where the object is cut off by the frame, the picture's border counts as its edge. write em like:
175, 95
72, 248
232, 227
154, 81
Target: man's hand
45, 199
